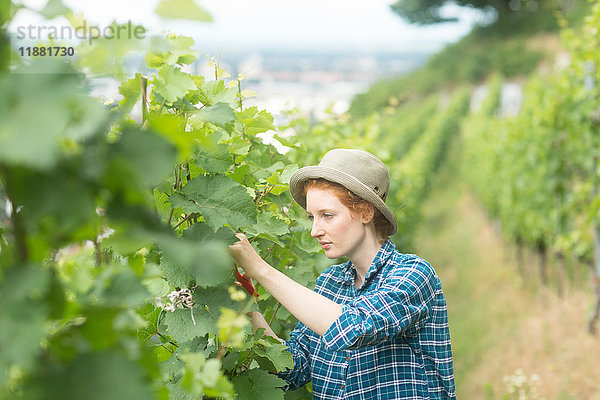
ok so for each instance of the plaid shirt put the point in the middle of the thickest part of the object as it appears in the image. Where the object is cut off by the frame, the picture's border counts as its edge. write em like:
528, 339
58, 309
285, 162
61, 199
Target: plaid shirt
391, 341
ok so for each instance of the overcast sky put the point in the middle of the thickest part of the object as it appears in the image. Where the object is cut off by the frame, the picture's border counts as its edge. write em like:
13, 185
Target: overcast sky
319, 25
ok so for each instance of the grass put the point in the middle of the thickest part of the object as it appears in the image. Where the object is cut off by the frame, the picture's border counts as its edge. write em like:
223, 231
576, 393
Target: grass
499, 323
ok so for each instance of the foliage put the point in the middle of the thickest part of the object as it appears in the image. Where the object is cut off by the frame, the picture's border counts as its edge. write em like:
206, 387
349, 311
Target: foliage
429, 12
105, 214
505, 47
412, 173
115, 223
544, 161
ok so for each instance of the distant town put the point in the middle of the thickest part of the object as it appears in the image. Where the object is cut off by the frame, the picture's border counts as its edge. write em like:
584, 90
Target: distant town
310, 82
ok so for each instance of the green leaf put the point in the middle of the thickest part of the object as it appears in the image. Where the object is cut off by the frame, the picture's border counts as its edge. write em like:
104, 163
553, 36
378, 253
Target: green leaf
182, 9
156, 286
208, 262
23, 314
177, 275
53, 9
306, 243
131, 90
119, 286
256, 122
287, 172
268, 227
201, 232
63, 112
101, 376
172, 84
215, 91
219, 160
172, 50
207, 311
232, 327
68, 211
260, 385
276, 353
219, 199
172, 128
220, 114
204, 377
145, 155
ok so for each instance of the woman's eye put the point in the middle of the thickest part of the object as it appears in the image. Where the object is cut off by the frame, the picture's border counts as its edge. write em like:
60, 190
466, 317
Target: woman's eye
310, 217
327, 216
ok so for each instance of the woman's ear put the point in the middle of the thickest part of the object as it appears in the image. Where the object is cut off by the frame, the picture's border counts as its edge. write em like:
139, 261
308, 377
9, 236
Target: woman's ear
368, 214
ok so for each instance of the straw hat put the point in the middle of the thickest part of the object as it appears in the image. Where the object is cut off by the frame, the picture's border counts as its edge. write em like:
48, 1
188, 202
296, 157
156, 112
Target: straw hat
358, 171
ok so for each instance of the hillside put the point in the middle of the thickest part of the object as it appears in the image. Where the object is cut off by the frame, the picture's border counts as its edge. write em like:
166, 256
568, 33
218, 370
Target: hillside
514, 335
515, 49
500, 323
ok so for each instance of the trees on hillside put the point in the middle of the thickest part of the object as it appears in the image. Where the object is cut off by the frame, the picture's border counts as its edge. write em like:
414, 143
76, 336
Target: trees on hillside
426, 12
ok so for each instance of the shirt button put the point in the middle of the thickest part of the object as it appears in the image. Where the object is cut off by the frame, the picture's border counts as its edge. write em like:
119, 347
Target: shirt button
348, 358
343, 385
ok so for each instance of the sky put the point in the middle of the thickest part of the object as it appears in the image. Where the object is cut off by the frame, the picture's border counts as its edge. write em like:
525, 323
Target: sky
308, 25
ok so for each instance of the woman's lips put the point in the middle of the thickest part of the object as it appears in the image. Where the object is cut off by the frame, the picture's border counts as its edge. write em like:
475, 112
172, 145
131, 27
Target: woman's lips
325, 245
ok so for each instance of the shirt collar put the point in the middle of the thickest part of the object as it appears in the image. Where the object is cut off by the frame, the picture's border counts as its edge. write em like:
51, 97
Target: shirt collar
348, 272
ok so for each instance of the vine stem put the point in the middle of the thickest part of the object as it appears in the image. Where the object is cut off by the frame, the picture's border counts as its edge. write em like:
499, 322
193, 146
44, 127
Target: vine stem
170, 216
18, 227
263, 194
240, 93
243, 311
98, 253
170, 341
274, 312
183, 220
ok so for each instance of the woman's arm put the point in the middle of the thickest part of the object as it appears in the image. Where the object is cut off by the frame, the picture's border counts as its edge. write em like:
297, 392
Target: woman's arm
314, 310
258, 321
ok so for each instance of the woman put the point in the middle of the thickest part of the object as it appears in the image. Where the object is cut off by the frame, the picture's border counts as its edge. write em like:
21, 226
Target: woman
375, 327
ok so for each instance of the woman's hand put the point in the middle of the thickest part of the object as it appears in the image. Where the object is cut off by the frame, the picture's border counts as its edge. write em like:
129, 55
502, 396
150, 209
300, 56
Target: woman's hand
246, 257
314, 310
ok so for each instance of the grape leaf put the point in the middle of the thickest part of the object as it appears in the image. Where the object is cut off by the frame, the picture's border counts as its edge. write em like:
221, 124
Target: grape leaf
177, 275
219, 199
68, 210
220, 114
182, 9
206, 314
276, 353
208, 262
144, 154
218, 160
61, 106
172, 84
53, 9
215, 91
181, 327
21, 299
131, 90
260, 385
173, 49
201, 232
105, 375
255, 121
119, 286
268, 227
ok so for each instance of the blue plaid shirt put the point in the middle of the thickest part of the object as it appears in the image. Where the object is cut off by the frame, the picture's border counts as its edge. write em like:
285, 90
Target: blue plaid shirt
391, 341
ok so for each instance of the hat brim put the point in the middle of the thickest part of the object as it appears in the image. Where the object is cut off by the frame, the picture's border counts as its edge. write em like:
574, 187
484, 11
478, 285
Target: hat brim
299, 178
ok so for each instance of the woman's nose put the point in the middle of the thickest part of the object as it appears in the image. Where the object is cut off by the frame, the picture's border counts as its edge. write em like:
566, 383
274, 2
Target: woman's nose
316, 230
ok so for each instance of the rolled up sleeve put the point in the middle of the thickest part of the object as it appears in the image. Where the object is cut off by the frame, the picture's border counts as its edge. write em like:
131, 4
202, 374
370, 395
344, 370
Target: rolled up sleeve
402, 305
298, 346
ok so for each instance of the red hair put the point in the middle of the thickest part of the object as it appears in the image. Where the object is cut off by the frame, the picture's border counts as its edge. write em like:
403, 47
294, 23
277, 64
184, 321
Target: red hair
356, 204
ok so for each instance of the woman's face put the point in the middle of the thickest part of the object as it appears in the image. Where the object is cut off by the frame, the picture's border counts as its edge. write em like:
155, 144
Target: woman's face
339, 233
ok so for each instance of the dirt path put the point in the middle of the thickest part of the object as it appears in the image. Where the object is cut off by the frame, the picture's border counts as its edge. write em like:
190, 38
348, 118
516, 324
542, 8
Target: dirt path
499, 323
